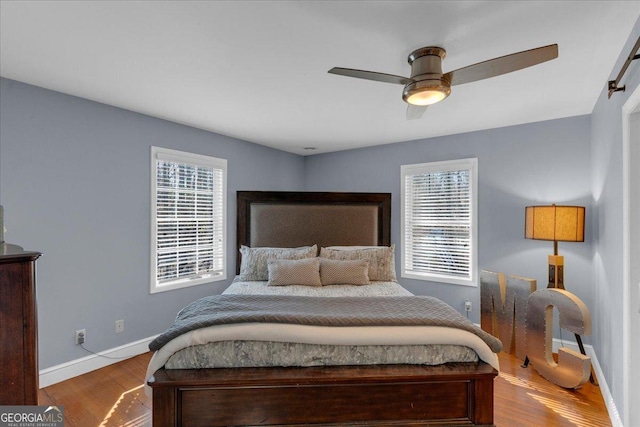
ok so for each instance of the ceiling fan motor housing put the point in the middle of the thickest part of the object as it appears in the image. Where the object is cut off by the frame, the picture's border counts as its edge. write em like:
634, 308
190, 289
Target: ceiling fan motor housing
426, 73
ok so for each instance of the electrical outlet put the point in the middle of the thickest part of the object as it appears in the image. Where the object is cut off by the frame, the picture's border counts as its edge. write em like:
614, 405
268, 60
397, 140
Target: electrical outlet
119, 326
81, 335
467, 306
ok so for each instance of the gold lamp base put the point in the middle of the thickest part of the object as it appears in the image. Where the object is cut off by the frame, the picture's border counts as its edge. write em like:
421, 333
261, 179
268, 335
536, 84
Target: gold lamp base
556, 272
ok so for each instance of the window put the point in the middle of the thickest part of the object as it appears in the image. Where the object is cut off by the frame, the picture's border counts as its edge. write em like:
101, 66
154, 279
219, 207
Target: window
188, 219
438, 221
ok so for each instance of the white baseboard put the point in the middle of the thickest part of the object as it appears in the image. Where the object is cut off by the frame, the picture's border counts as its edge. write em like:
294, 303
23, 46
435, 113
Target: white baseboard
614, 416
73, 368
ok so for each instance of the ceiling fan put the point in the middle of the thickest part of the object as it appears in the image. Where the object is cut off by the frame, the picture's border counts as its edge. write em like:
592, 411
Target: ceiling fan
428, 85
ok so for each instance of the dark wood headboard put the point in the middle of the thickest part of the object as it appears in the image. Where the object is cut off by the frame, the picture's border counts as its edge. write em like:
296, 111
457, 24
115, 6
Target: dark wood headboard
292, 219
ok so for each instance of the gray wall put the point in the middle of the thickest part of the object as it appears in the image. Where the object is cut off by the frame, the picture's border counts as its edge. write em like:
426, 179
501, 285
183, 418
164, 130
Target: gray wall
539, 163
606, 142
75, 185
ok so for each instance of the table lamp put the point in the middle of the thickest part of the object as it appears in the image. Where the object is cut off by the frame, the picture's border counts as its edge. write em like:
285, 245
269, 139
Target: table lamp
559, 224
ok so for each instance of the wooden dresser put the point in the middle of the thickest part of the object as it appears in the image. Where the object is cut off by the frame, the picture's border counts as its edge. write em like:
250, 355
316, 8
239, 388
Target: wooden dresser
18, 326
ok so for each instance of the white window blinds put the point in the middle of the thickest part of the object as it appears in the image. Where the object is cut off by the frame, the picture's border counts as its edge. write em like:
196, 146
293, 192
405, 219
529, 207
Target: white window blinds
439, 221
189, 205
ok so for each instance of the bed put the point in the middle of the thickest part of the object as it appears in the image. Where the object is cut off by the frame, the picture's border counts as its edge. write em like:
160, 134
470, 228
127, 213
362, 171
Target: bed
365, 390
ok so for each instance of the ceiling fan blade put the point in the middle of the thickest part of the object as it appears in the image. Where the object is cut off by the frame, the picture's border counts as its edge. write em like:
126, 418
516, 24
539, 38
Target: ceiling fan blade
502, 65
415, 112
370, 75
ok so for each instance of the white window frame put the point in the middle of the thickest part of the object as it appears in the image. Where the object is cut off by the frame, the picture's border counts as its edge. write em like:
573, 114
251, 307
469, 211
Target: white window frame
471, 165
158, 153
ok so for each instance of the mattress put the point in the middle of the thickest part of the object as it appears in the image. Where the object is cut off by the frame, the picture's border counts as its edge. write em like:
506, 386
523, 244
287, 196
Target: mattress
264, 344
259, 353
241, 354
316, 336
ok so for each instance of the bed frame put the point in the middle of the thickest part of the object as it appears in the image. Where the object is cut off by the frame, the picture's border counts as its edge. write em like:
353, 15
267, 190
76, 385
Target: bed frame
459, 394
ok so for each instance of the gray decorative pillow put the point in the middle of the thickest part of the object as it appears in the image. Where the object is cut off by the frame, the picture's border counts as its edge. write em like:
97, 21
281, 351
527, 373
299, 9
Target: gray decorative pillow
348, 272
254, 260
284, 272
382, 266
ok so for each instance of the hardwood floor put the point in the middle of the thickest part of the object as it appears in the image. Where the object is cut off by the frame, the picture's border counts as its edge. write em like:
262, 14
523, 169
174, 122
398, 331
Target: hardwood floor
523, 398
113, 396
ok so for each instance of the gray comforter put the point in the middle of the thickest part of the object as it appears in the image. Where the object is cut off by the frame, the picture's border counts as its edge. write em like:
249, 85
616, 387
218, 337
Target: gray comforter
321, 311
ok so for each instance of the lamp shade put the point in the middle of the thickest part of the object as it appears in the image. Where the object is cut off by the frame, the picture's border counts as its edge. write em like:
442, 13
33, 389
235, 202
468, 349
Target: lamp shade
557, 223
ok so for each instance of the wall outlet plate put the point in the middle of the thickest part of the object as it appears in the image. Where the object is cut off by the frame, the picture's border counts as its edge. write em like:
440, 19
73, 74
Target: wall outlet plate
81, 336
119, 326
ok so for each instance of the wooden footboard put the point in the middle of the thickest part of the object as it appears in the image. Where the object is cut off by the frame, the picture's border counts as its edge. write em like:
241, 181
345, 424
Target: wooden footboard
450, 394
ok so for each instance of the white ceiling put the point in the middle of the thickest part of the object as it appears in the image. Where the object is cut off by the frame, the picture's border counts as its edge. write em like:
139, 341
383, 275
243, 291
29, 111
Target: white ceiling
257, 70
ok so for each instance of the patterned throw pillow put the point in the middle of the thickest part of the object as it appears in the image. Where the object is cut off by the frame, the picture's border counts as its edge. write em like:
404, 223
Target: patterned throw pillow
254, 260
284, 272
349, 272
382, 266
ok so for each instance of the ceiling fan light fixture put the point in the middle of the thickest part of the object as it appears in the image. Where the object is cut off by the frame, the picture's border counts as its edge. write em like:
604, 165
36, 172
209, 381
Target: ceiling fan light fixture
428, 85
426, 92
